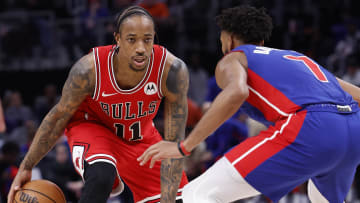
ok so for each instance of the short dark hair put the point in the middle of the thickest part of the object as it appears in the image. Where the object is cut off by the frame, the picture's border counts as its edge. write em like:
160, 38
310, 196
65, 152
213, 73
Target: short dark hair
130, 11
248, 23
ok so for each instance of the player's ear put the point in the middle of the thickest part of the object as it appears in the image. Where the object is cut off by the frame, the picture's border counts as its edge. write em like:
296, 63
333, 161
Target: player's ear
117, 38
232, 41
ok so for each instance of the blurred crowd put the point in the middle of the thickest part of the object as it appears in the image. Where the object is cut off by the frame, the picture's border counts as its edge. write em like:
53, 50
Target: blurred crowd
39, 35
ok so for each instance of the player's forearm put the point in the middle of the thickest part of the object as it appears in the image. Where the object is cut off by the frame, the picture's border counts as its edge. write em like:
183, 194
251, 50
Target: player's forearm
171, 174
45, 138
177, 83
353, 90
223, 107
171, 169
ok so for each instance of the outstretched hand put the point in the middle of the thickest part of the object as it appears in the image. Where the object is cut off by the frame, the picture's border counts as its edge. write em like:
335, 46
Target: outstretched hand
20, 179
159, 151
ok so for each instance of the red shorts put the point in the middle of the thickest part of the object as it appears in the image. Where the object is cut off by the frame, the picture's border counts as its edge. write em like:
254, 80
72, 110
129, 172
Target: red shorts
92, 142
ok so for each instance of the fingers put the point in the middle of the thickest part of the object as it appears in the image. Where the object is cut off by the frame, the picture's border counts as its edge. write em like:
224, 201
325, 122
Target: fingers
154, 152
142, 157
148, 154
12, 193
154, 159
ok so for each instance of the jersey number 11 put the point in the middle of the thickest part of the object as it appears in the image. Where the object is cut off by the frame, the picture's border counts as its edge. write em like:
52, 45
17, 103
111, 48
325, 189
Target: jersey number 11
134, 128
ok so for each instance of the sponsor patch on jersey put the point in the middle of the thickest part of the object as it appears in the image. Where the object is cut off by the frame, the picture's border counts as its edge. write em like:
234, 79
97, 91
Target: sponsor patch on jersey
150, 88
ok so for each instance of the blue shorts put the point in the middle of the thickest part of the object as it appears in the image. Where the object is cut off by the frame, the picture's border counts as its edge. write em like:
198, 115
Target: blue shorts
316, 143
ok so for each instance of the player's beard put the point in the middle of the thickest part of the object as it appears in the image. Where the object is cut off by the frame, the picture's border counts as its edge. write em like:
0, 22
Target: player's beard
133, 66
136, 69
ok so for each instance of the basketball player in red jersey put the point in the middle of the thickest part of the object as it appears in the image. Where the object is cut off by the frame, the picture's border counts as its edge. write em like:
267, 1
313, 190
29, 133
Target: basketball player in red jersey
107, 107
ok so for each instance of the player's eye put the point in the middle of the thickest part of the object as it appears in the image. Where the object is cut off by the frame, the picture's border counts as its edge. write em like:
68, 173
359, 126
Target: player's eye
148, 40
131, 40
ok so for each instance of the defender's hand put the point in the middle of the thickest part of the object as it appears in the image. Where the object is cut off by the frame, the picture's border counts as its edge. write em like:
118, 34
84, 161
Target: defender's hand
159, 151
20, 179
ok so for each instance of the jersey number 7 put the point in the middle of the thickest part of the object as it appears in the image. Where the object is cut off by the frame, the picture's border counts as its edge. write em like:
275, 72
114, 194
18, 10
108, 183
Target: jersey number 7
311, 65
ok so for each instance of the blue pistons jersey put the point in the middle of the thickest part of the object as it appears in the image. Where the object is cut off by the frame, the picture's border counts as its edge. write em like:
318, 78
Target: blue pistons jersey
313, 126
282, 82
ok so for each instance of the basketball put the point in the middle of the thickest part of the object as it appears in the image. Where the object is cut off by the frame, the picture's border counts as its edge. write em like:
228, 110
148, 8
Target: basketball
40, 191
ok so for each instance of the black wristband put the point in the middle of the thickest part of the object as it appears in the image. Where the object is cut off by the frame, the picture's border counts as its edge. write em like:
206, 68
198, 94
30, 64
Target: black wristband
180, 150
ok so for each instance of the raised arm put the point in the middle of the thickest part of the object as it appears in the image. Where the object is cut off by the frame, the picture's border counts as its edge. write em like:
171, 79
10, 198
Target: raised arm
353, 90
175, 92
78, 85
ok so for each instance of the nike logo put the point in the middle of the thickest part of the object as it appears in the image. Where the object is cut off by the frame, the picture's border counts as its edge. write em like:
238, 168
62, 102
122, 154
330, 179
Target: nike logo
107, 95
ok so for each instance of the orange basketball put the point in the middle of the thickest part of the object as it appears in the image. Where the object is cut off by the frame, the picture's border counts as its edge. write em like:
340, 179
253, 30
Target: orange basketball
40, 191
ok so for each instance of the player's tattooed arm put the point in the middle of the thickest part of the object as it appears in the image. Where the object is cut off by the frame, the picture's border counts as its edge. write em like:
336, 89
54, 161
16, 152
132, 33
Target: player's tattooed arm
176, 112
78, 85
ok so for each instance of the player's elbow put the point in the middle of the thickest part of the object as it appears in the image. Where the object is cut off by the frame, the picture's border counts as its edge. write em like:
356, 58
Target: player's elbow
240, 91
236, 95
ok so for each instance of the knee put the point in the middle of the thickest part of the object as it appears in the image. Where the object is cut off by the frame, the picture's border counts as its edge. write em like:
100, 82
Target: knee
99, 179
100, 175
193, 193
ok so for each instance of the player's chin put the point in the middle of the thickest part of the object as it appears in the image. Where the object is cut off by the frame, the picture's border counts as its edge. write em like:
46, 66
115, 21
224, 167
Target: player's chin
137, 67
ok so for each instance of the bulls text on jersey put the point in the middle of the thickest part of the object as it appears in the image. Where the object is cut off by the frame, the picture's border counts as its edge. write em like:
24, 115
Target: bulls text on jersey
122, 110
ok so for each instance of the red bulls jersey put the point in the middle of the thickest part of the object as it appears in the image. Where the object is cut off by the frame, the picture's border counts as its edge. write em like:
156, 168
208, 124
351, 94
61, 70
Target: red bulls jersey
127, 113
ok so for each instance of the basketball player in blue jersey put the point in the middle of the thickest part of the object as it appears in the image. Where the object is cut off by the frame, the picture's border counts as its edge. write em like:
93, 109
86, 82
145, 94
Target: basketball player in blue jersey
313, 121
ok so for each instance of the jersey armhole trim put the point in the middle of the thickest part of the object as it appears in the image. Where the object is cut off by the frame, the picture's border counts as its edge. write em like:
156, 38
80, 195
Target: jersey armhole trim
97, 74
161, 72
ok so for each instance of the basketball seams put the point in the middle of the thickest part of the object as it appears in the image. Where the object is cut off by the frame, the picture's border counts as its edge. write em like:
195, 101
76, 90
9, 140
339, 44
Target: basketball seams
60, 192
39, 193
36, 185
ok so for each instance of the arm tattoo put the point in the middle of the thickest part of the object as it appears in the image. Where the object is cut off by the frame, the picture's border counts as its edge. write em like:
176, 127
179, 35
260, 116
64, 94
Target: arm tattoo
177, 83
78, 85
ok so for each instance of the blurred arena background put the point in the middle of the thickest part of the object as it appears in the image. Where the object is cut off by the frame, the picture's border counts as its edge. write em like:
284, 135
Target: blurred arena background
41, 39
